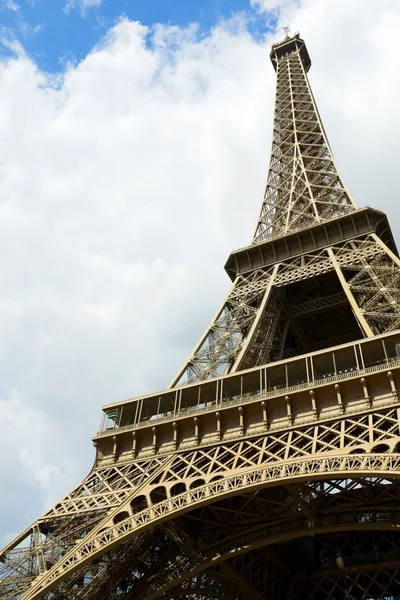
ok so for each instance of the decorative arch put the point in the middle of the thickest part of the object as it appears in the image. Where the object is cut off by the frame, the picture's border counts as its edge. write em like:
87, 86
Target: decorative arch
256, 477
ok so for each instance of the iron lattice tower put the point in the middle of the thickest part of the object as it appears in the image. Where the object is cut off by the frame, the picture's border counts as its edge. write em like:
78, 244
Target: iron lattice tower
270, 467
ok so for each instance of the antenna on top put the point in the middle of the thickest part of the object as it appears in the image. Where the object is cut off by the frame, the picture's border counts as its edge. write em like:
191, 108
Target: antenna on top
286, 29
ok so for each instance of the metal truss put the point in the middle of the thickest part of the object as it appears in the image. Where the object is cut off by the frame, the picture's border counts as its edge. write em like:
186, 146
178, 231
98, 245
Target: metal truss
373, 282
364, 585
73, 543
337, 577
303, 189
236, 321
303, 184
225, 585
239, 530
249, 328
297, 496
273, 560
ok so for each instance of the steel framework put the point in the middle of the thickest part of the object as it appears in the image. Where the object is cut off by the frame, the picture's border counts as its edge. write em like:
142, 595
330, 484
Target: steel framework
270, 467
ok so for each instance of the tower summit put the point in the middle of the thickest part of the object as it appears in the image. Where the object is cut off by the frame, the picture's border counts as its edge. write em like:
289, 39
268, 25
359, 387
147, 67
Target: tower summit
304, 186
270, 467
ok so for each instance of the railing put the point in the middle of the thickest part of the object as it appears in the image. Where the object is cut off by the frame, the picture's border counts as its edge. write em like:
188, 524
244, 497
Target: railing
259, 395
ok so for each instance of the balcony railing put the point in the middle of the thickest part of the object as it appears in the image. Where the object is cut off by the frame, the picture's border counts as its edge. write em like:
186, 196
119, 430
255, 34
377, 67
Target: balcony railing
280, 378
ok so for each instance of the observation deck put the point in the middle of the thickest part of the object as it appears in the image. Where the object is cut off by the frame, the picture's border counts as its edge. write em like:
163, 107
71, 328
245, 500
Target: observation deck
318, 386
355, 223
289, 45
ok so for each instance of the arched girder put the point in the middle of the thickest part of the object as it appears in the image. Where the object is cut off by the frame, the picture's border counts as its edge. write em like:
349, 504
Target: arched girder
110, 534
265, 542
377, 572
349, 496
135, 482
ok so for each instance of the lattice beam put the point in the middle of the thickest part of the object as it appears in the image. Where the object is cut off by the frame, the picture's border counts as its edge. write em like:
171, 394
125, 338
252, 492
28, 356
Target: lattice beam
303, 185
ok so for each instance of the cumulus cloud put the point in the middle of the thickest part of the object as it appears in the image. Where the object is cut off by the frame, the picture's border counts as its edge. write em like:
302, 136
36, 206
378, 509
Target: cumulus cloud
31, 472
125, 182
118, 209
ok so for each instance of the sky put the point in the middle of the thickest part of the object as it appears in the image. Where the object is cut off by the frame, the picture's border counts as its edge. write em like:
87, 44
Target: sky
59, 32
134, 145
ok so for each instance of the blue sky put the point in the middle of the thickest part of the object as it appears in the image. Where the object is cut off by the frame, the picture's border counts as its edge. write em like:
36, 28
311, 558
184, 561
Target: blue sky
54, 32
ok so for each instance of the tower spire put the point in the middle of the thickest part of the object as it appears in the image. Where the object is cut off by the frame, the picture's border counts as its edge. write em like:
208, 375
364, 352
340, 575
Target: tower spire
303, 183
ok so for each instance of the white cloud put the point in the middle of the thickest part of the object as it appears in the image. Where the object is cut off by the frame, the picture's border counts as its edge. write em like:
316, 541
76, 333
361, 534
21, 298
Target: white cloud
272, 5
122, 190
10, 5
82, 5
118, 208
26, 435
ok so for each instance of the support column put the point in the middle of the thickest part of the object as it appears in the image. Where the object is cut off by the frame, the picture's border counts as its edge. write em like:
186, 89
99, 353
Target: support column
365, 328
248, 342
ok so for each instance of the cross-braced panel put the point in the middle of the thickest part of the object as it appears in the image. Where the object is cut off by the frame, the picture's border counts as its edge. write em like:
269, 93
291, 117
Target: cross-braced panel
221, 344
373, 278
208, 585
253, 326
130, 498
352, 566
261, 571
303, 186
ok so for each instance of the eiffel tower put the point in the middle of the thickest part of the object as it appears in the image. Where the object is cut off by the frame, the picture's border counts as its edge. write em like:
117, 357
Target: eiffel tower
270, 466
